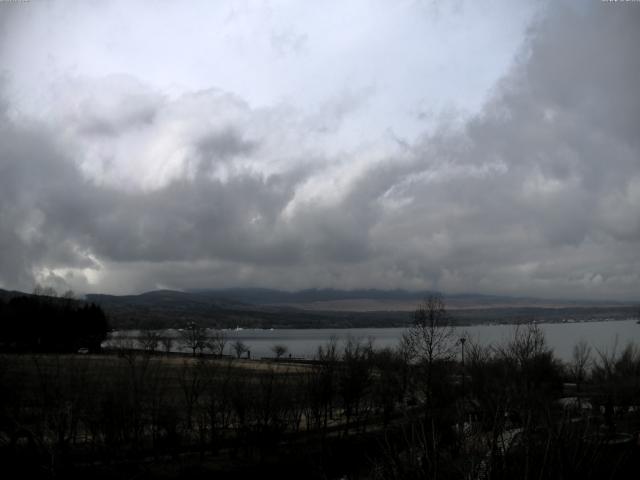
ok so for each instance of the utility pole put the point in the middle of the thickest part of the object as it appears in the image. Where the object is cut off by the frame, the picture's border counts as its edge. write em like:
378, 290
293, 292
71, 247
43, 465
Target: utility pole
462, 340
464, 404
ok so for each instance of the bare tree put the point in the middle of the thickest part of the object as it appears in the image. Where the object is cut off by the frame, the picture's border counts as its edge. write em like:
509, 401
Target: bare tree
431, 337
404, 352
321, 385
194, 337
193, 381
167, 343
617, 377
37, 289
239, 348
532, 376
527, 344
123, 345
580, 360
149, 341
279, 350
354, 380
41, 291
69, 295
216, 343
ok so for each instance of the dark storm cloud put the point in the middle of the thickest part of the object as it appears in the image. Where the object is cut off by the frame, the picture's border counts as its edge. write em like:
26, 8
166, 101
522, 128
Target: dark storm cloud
561, 134
221, 147
538, 194
30, 170
45, 194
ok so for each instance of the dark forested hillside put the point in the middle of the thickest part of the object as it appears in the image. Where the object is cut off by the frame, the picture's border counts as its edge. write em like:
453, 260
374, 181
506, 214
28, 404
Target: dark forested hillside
264, 308
37, 323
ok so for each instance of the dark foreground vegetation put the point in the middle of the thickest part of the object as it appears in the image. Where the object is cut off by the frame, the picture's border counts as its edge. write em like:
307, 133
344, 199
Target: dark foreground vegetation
435, 407
45, 323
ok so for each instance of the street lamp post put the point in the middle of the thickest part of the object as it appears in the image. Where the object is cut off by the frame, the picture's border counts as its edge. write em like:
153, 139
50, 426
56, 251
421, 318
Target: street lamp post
462, 340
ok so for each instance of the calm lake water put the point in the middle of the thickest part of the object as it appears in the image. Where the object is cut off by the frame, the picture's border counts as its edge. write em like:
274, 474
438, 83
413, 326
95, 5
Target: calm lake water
304, 342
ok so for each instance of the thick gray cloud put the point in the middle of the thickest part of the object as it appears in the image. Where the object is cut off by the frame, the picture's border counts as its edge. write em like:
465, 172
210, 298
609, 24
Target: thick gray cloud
120, 187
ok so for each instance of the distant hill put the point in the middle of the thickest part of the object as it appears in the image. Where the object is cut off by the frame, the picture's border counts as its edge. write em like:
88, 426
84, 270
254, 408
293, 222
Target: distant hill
324, 308
330, 308
265, 296
379, 300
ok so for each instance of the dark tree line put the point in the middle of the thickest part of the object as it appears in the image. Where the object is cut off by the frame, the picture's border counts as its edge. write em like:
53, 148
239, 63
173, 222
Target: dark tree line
39, 323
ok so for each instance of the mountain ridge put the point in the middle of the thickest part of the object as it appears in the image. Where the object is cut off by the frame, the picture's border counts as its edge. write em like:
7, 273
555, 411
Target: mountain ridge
331, 308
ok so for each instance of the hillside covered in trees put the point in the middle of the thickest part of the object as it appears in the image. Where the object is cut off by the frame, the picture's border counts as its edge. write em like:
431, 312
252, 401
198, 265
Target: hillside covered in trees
41, 323
266, 308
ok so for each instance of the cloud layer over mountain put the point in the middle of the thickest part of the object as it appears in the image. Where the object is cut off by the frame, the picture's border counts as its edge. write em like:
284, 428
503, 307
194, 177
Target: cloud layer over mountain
529, 183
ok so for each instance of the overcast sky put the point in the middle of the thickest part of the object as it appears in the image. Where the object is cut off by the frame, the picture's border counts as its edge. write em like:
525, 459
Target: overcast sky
464, 146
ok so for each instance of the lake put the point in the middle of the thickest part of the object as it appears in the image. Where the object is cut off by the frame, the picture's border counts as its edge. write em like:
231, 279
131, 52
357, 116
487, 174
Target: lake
604, 336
